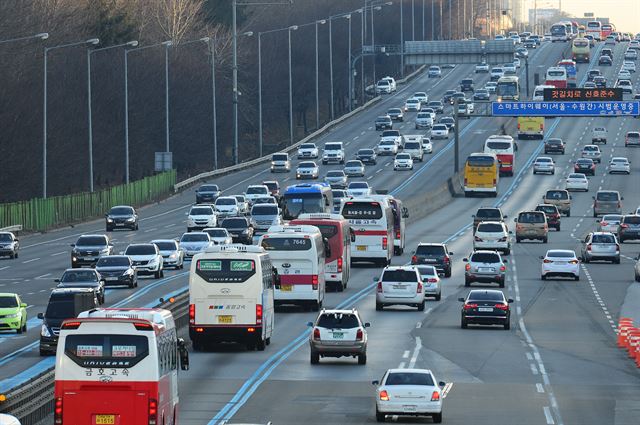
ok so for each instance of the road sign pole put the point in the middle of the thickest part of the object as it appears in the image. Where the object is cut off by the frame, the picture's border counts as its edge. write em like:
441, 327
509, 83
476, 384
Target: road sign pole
456, 138
526, 66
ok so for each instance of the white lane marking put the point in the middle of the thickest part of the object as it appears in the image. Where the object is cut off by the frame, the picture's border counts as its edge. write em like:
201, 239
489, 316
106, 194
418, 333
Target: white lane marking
539, 388
31, 261
43, 276
603, 306
401, 365
548, 415
418, 325
427, 311
150, 230
529, 356
170, 225
446, 390
4, 268
58, 253
405, 355
533, 368
416, 351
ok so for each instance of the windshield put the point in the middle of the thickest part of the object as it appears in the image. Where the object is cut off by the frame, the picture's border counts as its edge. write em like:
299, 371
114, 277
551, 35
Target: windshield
485, 296
412, 145
390, 133
307, 146
484, 213
332, 147
201, 211
121, 211
581, 43
558, 30
359, 185
257, 190
140, 250
430, 250
338, 321
306, 165
399, 276
507, 89
234, 223
440, 127
548, 209
280, 157
353, 164
603, 239
531, 217
362, 210
557, 194
481, 161
79, 276
286, 244
216, 233
302, 203
403, 156
264, 210
113, 261
60, 309
208, 188
195, 237
5, 237
561, 254
607, 196
226, 201
555, 74
408, 378
365, 152
8, 301
91, 241
631, 219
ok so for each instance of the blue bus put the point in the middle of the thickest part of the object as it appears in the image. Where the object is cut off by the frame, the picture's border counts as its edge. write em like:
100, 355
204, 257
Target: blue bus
307, 198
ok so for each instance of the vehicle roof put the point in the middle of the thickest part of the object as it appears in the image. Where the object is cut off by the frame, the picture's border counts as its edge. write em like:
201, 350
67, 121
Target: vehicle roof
414, 370
339, 311
8, 294
486, 291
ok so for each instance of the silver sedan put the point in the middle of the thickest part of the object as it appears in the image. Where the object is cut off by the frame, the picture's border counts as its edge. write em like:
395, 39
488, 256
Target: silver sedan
354, 168
544, 164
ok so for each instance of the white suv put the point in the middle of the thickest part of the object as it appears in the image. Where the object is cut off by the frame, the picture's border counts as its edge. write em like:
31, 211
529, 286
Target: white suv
338, 333
254, 192
400, 285
227, 206
308, 150
201, 216
492, 235
333, 152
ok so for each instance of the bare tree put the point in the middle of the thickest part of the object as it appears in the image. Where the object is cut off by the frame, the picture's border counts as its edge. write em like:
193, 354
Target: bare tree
176, 17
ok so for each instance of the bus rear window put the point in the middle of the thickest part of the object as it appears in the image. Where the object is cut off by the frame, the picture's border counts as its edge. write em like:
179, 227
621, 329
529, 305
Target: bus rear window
225, 270
362, 210
106, 351
481, 161
499, 146
286, 244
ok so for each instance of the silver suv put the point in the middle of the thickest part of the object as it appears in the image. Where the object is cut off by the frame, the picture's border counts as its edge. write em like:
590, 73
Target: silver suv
600, 246
9, 245
338, 333
486, 267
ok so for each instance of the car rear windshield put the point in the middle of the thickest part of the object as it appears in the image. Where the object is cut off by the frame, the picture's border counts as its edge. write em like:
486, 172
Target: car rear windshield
234, 223
481, 161
488, 213
557, 194
114, 261
633, 135
561, 254
485, 257
603, 239
399, 276
608, 196
408, 378
195, 237
390, 133
8, 302
427, 271
226, 201
61, 309
91, 241
121, 211
216, 233
362, 210
140, 250
208, 188
307, 165
499, 145
353, 164
359, 185
631, 220
338, 321
365, 152
489, 227
531, 217
258, 190
554, 142
412, 145
430, 250
264, 210
332, 147
485, 296
549, 209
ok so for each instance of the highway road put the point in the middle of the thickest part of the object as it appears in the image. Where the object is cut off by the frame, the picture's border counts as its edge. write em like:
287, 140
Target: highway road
557, 365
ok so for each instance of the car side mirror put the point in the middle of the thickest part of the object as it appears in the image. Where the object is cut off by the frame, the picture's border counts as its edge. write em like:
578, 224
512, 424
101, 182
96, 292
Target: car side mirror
515, 219
465, 260
510, 300
276, 277
23, 305
375, 382
56, 280
451, 253
593, 197
504, 260
622, 198
541, 257
184, 354
367, 325
72, 245
106, 214
40, 316
310, 324
505, 216
461, 299
375, 279
442, 384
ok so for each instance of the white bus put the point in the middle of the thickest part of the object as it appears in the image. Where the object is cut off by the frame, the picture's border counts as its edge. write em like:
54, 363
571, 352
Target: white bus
538, 92
372, 221
231, 296
298, 253
118, 366
594, 29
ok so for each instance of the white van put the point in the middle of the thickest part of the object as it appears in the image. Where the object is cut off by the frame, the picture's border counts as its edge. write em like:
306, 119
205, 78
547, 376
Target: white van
298, 253
538, 92
231, 296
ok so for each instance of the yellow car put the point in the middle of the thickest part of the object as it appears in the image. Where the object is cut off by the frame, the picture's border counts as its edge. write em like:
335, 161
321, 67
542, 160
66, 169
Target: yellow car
13, 313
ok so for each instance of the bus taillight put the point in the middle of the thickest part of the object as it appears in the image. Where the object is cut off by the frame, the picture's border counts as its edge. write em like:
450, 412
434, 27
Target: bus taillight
384, 242
192, 314
314, 282
339, 264
398, 236
58, 411
258, 314
153, 411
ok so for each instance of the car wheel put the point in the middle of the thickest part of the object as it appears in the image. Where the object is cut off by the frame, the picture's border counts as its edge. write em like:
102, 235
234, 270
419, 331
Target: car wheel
438, 297
380, 417
637, 276
197, 345
260, 344
21, 329
543, 277
132, 284
576, 278
379, 306
569, 213
507, 326
463, 324
437, 418
518, 240
315, 358
501, 283
362, 358
109, 229
467, 282
136, 227
421, 306
157, 274
447, 273
616, 260
545, 239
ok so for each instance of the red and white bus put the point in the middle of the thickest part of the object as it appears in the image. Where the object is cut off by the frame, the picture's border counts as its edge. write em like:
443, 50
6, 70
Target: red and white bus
557, 77
594, 29
607, 29
372, 223
337, 231
504, 147
118, 366
400, 214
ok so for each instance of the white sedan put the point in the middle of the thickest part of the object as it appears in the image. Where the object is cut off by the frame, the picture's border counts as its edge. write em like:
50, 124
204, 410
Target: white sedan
577, 181
409, 392
560, 263
629, 66
359, 189
403, 161
427, 146
412, 104
619, 164
440, 131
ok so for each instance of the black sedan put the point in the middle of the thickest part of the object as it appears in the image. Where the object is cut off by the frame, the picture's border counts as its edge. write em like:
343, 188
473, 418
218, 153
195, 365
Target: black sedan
117, 270
367, 156
481, 94
554, 145
600, 82
239, 228
396, 114
121, 217
486, 307
207, 193
585, 166
605, 60
83, 278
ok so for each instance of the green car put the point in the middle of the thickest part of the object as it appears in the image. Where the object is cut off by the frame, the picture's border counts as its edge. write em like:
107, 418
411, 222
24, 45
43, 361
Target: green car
13, 313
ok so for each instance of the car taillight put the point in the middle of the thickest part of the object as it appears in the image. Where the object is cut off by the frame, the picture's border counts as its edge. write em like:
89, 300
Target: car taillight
470, 306
519, 227
547, 261
446, 260
477, 239
258, 314
518, 126
467, 267
541, 127
339, 264
314, 282
384, 242
619, 205
604, 223
379, 289
589, 247
414, 260
435, 396
501, 306
419, 288
432, 280
384, 396
398, 234
465, 181
359, 335
573, 262
503, 268
58, 411
192, 314
153, 411
494, 182
624, 226
316, 333
617, 247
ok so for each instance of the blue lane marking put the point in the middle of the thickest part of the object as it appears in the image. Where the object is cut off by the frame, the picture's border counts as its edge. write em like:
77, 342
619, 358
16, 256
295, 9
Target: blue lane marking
26, 375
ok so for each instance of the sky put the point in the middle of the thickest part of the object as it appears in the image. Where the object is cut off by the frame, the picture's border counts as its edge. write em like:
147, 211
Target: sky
624, 14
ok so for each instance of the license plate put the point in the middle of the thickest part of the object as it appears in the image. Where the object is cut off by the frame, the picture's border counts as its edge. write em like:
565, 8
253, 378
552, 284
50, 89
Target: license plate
105, 419
560, 262
338, 335
362, 247
485, 309
399, 287
286, 288
409, 408
225, 319
109, 278
485, 269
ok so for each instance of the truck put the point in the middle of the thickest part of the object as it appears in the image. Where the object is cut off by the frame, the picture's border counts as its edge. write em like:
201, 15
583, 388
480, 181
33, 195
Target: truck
599, 135
530, 127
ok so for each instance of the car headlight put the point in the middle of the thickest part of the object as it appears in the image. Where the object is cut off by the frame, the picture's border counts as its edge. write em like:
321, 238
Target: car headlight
12, 316
174, 255
44, 331
128, 272
245, 231
153, 261
109, 220
131, 220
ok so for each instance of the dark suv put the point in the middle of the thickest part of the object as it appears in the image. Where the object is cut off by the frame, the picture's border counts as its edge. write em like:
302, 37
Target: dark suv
552, 213
487, 214
207, 193
88, 249
466, 85
629, 228
121, 216
434, 254
554, 145
239, 228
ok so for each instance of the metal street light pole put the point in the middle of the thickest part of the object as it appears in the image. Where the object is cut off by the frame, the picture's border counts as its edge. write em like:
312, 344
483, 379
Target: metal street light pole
349, 66
90, 51
321, 22
433, 24
423, 20
401, 39
212, 50
41, 36
441, 22
291, 28
450, 22
166, 93
413, 20
331, 64
44, 106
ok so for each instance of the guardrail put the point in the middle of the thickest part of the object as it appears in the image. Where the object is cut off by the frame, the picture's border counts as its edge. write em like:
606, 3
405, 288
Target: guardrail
33, 401
224, 171
40, 214
15, 228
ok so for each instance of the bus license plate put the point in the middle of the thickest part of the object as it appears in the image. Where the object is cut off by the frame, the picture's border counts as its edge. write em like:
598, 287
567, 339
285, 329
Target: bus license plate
225, 319
105, 419
286, 288
362, 247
